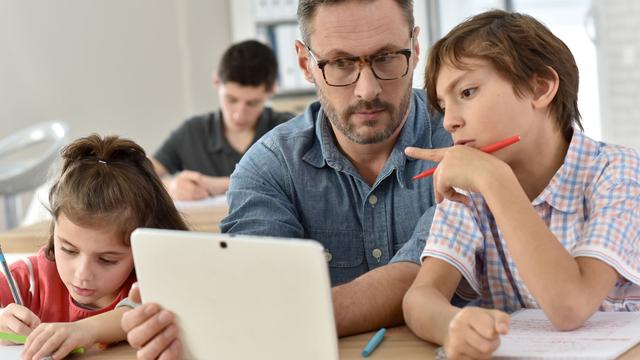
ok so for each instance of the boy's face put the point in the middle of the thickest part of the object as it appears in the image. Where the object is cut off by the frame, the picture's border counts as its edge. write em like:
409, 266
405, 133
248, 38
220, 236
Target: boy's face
92, 263
480, 106
241, 105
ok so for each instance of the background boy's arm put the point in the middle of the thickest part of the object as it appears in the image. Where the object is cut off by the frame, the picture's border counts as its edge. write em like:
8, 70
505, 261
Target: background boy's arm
567, 289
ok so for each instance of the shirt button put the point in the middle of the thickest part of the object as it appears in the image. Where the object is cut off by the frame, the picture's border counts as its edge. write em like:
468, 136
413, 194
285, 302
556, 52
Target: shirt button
328, 256
377, 253
373, 199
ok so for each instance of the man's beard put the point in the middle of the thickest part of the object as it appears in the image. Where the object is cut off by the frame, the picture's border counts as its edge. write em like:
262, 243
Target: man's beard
344, 125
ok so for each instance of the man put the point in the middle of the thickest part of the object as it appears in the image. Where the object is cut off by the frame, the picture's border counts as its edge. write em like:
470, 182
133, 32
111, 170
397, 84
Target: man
337, 173
204, 150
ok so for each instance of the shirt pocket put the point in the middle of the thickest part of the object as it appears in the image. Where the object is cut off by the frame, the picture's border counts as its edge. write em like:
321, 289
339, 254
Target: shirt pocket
344, 251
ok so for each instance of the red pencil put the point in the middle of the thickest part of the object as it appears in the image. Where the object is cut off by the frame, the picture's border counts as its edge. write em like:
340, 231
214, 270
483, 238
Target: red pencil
488, 149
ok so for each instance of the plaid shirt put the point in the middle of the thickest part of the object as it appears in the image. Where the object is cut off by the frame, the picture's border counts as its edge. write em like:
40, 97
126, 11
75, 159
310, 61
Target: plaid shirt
591, 205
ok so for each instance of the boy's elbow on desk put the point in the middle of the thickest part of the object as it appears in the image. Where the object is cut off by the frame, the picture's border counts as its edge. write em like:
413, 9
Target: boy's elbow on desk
567, 318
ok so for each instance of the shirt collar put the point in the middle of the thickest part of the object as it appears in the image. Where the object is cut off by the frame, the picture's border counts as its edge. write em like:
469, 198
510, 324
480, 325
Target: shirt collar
217, 140
565, 188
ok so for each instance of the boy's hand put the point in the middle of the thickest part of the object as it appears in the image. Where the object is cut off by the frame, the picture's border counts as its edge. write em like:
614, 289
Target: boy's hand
188, 185
17, 319
474, 333
57, 340
459, 166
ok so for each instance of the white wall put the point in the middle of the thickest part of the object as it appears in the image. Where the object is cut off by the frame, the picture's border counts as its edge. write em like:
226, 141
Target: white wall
618, 46
133, 68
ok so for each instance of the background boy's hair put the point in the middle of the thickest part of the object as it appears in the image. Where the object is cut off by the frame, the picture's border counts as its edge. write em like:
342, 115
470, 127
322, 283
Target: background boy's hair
307, 9
249, 63
110, 183
519, 47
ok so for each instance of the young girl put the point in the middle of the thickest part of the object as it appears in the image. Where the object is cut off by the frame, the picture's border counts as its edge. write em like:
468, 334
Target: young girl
550, 222
106, 189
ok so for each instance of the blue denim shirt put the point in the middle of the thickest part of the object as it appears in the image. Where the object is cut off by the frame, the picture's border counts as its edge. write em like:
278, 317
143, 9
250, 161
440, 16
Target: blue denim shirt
294, 182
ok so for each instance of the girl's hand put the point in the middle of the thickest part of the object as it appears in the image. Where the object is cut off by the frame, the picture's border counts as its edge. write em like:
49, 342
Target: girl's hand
474, 333
57, 340
459, 166
17, 319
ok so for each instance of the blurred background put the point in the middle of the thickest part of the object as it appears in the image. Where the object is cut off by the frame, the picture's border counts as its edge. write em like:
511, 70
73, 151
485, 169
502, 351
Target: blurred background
139, 68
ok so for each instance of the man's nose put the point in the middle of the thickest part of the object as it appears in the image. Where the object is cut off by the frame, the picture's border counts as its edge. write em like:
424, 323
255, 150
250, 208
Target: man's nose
368, 86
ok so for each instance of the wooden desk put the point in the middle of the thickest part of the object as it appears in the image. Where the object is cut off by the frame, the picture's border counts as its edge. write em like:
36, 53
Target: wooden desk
28, 239
399, 343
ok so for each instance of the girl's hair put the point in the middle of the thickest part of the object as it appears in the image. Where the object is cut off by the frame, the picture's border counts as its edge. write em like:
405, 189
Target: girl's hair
518, 47
110, 182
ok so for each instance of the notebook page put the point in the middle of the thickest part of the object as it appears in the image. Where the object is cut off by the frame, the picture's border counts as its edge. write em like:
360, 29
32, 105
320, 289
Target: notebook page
11, 352
605, 335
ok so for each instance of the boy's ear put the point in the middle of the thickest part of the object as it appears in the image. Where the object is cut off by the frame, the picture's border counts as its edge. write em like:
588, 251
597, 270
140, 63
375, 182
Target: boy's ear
545, 88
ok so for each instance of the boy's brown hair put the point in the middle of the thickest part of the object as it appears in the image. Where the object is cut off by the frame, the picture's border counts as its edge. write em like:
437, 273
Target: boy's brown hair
110, 182
519, 47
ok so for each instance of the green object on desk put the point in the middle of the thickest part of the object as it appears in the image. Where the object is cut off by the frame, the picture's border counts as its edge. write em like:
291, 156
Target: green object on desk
21, 339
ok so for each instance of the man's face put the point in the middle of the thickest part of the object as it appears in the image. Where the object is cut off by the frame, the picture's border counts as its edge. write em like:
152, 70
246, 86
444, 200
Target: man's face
370, 110
241, 105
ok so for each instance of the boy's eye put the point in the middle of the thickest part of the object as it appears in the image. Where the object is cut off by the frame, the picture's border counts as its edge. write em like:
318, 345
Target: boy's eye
467, 92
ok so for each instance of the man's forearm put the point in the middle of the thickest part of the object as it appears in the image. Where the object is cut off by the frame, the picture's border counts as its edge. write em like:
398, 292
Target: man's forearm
373, 300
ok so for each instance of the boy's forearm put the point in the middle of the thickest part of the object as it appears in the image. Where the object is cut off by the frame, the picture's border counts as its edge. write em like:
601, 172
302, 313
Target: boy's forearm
106, 327
553, 276
428, 313
373, 300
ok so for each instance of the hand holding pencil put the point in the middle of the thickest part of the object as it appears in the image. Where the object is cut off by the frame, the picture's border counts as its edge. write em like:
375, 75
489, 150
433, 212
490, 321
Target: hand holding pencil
460, 167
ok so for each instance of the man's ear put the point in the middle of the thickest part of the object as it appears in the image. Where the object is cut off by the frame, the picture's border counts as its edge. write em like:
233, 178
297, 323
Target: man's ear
545, 88
416, 46
304, 63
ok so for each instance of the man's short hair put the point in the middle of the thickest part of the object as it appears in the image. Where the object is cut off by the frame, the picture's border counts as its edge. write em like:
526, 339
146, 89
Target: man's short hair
249, 63
307, 9
519, 47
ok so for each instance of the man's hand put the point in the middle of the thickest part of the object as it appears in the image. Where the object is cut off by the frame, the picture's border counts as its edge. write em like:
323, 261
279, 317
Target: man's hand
474, 333
188, 185
151, 330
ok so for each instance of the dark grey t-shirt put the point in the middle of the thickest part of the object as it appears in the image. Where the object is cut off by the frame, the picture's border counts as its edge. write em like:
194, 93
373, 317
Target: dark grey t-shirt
199, 144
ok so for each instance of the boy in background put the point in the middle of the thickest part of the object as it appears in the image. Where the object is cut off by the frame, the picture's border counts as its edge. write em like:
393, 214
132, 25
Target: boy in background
204, 150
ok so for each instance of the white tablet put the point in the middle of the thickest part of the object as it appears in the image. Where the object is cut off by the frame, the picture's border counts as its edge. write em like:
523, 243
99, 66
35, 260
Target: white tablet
240, 297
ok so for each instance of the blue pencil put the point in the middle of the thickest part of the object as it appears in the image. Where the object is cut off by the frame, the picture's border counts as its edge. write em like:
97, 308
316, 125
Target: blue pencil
12, 284
374, 342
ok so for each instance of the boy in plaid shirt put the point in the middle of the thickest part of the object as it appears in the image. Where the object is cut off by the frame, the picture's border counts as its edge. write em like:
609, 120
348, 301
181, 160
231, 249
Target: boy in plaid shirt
551, 222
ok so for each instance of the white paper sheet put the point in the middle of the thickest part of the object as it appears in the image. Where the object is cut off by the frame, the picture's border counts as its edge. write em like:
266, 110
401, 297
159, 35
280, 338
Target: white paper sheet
10, 352
210, 201
605, 335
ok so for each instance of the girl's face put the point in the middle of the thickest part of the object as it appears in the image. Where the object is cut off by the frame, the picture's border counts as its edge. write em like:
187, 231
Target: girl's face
93, 263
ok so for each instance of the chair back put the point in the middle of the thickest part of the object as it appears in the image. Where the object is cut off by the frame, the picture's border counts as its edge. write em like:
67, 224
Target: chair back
22, 169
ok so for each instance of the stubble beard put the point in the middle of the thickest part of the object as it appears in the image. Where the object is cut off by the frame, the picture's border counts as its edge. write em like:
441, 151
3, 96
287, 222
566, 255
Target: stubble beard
343, 124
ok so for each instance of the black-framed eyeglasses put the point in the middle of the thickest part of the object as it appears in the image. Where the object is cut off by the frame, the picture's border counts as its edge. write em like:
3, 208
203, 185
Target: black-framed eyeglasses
346, 71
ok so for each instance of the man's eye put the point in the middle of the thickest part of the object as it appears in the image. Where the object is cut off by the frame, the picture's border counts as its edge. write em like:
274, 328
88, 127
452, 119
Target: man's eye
384, 59
342, 63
